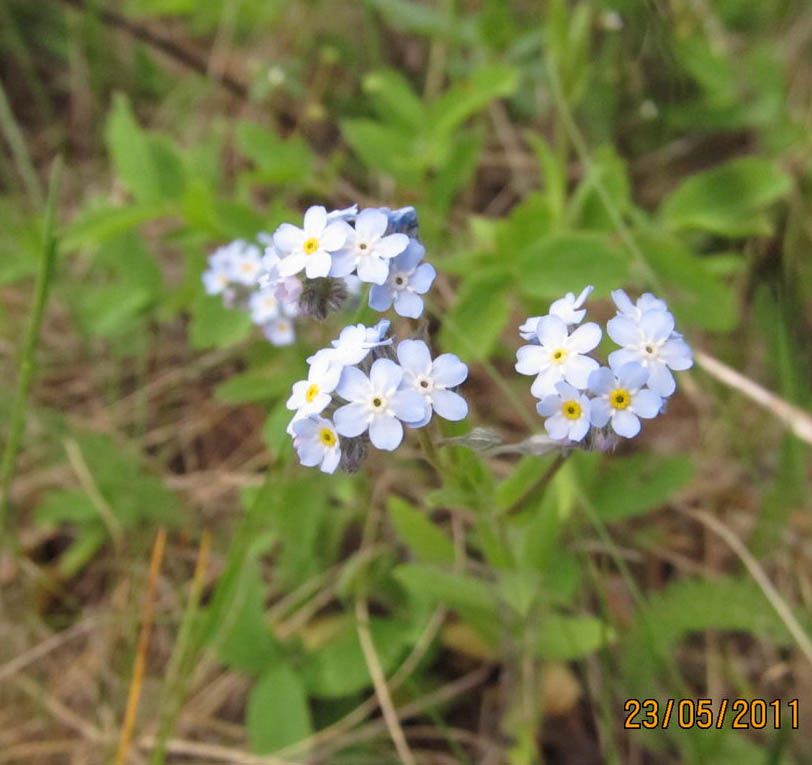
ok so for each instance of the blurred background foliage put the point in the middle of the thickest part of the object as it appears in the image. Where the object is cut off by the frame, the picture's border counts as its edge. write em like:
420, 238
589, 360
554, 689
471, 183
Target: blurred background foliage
657, 145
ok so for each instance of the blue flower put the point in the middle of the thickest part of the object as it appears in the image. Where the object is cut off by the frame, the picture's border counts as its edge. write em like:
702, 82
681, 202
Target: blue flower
408, 280
317, 443
354, 344
567, 412
621, 399
559, 355
368, 249
376, 404
310, 248
651, 342
646, 302
567, 308
432, 380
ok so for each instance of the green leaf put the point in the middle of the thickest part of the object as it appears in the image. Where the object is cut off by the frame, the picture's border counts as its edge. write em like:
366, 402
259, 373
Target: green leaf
97, 224
727, 200
696, 295
339, 668
66, 506
458, 591
424, 538
108, 310
395, 99
263, 385
243, 638
465, 99
212, 325
638, 484
279, 161
426, 20
385, 149
479, 315
277, 714
566, 262
564, 638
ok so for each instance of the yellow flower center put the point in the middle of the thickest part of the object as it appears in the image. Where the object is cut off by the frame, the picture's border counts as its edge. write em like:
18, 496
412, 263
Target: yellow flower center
247, 268
327, 437
558, 356
620, 398
311, 393
310, 245
571, 410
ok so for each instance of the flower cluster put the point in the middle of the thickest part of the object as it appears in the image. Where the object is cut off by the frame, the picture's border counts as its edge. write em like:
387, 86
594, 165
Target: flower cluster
375, 245
575, 392
312, 270
380, 388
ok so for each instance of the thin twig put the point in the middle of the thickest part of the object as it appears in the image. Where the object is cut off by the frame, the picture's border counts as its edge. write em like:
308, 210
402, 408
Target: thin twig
141, 654
540, 483
793, 417
379, 681
762, 580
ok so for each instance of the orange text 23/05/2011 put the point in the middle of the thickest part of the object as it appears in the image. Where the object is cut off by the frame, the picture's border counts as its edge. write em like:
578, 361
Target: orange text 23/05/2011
741, 714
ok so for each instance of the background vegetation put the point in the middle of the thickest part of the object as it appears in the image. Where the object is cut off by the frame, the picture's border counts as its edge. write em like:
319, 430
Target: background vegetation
657, 145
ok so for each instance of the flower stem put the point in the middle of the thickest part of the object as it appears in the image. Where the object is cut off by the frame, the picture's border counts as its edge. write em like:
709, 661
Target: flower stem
44, 276
540, 484
430, 450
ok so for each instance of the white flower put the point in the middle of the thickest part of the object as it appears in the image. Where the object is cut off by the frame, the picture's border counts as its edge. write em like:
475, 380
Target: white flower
635, 311
312, 395
217, 277
376, 404
408, 279
246, 264
310, 248
564, 308
621, 398
264, 306
367, 249
650, 341
280, 332
558, 355
317, 443
567, 412
432, 380
354, 343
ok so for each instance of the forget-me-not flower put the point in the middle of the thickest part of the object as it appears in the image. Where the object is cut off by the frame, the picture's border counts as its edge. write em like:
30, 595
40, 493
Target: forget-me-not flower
245, 264
651, 342
310, 248
433, 380
408, 279
559, 355
368, 249
317, 443
567, 308
635, 311
280, 332
567, 412
621, 399
377, 404
354, 344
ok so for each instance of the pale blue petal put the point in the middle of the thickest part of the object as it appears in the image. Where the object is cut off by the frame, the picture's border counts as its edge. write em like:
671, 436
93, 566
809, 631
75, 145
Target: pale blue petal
623, 303
408, 405
677, 354
549, 405
351, 420
386, 432
373, 270
415, 356
408, 304
331, 460
288, 238
530, 359
449, 405
584, 338
546, 381
551, 331
646, 404
448, 370
557, 426
577, 370
385, 375
579, 429
623, 356
353, 385
660, 379
623, 330
371, 223
599, 412
410, 257
391, 246
423, 278
625, 424
656, 325
343, 263
632, 375
601, 381
310, 453
380, 297
317, 265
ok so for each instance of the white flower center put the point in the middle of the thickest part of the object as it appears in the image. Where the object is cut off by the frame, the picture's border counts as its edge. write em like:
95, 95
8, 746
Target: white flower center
400, 280
378, 403
423, 384
558, 356
649, 349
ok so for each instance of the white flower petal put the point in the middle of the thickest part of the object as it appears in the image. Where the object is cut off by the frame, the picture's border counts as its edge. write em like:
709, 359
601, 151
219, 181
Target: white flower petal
371, 224
656, 326
646, 404
408, 304
315, 219
385, 375
632, 375
353, 385
318, 264
415, 356
551, 331
385, 432
531, 359
334, 236
448, 370
557, 426
391, 246
449, 405
577, 370
625, 424
351, 420
623, 330
288, 238
584, 338
408, 405
660, 379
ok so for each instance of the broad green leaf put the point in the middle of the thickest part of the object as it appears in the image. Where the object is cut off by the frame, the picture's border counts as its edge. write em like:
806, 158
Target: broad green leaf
476, 320
108, 310
134, 160
564, 638
395, 99
97, 224
277, 714
422, 19
242, 638
66, 506
465, 99
212, 325
428, 542
727, 200
457, 591
696, 295
279, 161
338, 668
638, 484
385, 149
567, 262
262, 385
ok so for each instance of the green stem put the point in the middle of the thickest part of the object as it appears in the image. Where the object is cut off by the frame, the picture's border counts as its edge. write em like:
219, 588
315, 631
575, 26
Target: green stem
540, 485
430, 450
19, 151
44, 276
